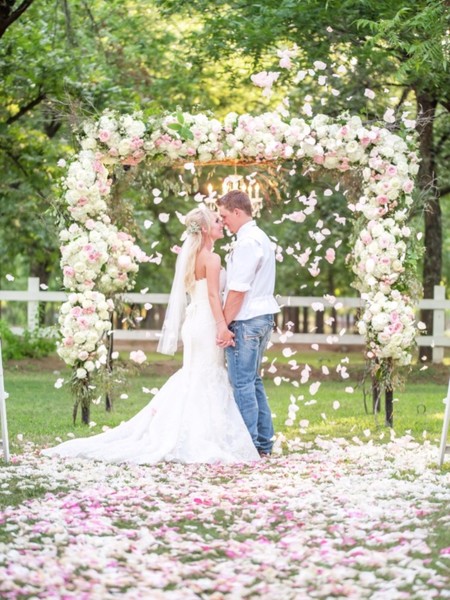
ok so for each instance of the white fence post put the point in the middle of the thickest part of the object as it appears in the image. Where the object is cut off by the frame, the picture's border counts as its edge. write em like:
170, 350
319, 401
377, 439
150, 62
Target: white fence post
33, 305
438, 324
443, 448
5, 439
439, 338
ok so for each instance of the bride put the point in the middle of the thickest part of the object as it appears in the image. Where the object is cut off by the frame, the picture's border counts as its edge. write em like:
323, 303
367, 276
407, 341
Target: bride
193, 418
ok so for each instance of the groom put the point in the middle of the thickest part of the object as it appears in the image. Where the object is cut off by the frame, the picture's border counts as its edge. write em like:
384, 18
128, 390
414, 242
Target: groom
249, 308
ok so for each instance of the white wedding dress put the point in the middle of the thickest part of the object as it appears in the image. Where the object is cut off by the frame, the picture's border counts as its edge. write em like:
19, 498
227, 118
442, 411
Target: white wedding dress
192, 419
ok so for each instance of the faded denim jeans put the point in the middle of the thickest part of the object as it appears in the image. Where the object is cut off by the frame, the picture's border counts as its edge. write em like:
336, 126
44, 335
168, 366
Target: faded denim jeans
244, 363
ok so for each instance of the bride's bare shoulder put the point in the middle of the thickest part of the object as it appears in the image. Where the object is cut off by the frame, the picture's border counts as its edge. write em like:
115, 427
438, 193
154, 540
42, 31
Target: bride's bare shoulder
212, 261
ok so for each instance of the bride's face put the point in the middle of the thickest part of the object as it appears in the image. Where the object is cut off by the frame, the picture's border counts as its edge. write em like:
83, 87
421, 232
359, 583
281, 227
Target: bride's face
216, 231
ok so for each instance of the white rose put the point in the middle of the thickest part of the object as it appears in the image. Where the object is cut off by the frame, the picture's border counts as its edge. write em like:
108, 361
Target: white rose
374, 309
380, 321
79, 337
362, 328
81, 373
89, 366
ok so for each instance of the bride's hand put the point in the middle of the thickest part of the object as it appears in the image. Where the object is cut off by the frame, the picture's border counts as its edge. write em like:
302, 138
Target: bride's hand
224, 336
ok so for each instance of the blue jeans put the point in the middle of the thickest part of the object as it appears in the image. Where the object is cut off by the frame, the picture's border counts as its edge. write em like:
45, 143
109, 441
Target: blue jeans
244, 363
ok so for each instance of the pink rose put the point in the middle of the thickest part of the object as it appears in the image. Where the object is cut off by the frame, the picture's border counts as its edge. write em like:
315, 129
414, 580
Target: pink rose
104, 135
69, 271
407, 187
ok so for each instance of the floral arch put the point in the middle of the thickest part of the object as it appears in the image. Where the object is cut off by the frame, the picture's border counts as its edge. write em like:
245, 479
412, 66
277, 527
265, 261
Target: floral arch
99, 261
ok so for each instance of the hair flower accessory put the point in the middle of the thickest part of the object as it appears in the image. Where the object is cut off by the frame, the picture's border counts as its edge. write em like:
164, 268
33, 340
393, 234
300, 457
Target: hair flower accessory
193, 228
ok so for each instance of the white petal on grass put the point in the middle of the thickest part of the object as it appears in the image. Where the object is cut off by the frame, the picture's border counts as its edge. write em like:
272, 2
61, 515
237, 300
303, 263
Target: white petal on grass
164, 217
313, 388
138, 356
336, 404
9, 277
349, 389
287, 352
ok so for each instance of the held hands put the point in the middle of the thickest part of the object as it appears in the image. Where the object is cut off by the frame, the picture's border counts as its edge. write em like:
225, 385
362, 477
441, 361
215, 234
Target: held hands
224, 336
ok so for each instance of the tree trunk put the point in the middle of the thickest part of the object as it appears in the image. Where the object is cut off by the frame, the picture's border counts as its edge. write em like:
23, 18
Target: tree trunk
109, 367
376, 397
432, 265
85, 413
389, 406
8, 15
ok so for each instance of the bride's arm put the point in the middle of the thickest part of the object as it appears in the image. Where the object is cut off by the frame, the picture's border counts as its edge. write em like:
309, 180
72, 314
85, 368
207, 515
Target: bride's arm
213, 283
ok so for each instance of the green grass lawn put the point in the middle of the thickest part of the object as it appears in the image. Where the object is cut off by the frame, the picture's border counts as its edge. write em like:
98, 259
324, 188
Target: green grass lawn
39, 412
328, 492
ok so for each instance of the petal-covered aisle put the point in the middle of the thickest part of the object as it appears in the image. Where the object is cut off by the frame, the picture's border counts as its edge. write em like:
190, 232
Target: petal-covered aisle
337, 520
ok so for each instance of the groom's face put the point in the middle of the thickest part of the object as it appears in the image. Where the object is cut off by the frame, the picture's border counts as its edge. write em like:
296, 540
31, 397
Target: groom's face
231, 218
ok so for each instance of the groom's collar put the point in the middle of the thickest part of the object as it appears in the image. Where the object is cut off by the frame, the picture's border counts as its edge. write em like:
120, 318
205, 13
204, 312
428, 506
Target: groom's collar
244, 228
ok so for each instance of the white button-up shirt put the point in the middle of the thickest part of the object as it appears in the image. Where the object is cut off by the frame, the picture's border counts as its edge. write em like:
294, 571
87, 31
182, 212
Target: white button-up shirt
251, 269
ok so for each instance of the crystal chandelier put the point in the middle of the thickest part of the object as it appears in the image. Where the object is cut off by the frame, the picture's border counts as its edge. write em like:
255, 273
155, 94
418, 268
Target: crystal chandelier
237, 182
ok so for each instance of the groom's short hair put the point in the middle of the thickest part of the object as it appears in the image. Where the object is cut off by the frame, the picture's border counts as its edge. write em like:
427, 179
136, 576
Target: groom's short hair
236, 199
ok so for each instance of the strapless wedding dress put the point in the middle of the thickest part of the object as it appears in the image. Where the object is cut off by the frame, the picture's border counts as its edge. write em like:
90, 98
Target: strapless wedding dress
192, 419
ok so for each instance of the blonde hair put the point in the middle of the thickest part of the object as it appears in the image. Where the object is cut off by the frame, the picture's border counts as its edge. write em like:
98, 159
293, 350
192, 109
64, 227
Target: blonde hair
198, 221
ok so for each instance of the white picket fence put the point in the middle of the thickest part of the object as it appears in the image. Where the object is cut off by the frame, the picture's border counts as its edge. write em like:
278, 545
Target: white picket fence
439, 339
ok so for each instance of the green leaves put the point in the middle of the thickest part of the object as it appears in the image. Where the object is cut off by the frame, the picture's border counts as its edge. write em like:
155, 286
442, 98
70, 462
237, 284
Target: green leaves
181, 128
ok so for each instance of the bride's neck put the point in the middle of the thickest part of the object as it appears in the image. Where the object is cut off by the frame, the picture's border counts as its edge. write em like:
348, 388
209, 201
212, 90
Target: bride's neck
208, 245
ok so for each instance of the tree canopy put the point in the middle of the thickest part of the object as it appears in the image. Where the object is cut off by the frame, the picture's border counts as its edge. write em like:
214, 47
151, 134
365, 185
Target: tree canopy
61, 61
